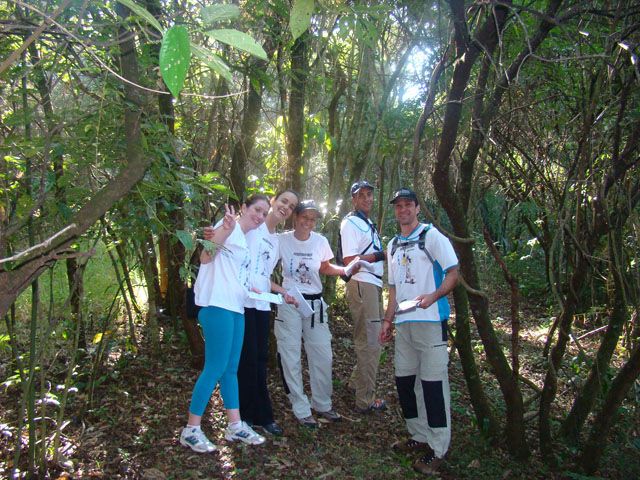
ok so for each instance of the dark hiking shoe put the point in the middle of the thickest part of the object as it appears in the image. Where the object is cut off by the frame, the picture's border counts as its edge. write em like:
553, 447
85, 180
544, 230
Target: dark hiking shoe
330, 415
378, 405
411, 446
308, 422
273, 428
428, 464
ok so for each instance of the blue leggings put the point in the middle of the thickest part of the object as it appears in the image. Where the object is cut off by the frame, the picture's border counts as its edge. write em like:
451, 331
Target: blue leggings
223, 331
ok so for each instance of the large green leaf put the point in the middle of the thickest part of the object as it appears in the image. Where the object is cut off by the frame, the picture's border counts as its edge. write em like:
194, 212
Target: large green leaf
218, 13
175, 55
142, 12
238, 40
300, 17
185, 238
213, 61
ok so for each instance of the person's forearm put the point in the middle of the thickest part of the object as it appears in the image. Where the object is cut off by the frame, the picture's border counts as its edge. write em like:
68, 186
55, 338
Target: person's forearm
390, 312
369, 257
448, 284
327, 268
277, 288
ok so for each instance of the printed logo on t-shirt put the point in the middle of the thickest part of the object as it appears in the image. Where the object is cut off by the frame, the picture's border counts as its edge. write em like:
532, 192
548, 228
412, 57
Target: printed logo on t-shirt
244, 271
404, 263
302, 273
264, 257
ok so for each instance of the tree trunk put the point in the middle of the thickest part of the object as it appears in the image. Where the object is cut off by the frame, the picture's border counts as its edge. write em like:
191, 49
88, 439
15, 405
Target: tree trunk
468, 54
150, 270
596, 443
244, 144
28, 265
74, 282
586, 398
487, 422
296, 120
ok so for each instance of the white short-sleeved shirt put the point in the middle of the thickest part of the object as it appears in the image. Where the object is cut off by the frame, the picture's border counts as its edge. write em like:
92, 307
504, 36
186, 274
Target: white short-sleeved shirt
412, 273
224, 281
301, 261
264, 254
356, 234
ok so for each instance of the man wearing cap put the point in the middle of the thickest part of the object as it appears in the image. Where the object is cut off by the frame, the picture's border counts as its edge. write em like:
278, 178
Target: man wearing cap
359, 238
423, 269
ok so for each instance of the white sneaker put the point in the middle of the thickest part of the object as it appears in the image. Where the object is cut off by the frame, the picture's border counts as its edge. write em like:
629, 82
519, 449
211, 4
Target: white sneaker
195, 439
243, 432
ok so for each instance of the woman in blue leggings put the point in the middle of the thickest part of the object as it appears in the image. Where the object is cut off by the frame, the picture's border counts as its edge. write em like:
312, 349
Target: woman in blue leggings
221, 289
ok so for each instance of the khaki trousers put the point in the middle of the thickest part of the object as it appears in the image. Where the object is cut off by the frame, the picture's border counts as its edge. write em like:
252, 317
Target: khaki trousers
365, 304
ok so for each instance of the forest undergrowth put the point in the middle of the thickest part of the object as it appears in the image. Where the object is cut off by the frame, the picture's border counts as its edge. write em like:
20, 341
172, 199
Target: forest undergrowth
131, 428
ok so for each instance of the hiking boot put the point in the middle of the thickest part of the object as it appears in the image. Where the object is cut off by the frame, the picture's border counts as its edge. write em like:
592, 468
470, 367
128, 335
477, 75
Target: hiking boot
308, 422
378, 405
410, 446
330, 415
244, 433
196, 440
273, 428
428, 464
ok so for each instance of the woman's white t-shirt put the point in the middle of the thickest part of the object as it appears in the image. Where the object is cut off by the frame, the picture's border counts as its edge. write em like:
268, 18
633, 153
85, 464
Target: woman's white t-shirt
301, 261
224, 281
264, 254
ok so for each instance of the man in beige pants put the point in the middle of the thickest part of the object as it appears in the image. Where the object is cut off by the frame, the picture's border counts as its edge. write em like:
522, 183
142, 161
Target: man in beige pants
359, 238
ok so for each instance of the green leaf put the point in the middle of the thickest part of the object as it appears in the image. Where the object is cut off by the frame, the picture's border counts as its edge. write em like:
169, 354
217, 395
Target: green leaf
213, 61
175, 55
143, 13
300, 17
185, 238
209, 246
238, 40
218, 13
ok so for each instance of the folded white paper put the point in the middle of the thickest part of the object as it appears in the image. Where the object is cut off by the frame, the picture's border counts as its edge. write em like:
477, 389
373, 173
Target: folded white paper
305, 309
267, 297
363, 264
407, 306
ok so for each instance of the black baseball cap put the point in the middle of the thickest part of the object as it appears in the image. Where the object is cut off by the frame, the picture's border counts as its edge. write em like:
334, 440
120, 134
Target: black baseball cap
308, 205
404, 193
360, 184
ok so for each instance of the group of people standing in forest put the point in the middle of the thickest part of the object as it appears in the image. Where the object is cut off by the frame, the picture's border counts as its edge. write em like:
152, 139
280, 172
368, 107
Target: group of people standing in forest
422, 270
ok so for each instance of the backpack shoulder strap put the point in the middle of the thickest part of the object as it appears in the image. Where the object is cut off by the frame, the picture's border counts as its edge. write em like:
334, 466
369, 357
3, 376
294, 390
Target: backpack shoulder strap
420, 241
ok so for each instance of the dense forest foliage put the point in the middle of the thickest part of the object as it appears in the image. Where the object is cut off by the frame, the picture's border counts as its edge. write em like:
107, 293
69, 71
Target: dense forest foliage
125, 125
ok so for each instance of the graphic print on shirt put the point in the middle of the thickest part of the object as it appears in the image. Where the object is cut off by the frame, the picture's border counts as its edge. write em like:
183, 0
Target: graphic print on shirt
302, 273
404, 262
264, 255
244, 271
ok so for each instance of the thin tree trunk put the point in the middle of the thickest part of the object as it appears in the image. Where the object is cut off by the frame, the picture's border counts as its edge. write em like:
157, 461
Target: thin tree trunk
150, 271
585, 400
596, 443
296, 120
468, 54
487, 422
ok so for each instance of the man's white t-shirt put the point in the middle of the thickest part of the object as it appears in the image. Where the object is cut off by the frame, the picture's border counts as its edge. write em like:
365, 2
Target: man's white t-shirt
224, 281
264, 253
412, 273
356, 234
301, 261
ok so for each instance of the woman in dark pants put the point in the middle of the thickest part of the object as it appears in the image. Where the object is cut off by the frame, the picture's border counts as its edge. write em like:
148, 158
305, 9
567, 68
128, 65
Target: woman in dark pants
255, 402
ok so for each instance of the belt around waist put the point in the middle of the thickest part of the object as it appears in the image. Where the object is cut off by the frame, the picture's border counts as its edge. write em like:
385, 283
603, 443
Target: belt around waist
312, 296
